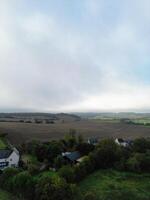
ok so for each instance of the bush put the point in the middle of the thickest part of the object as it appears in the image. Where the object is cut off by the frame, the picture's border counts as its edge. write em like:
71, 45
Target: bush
90, 196
6, 177
141, 145
33, 169
24, 184
106, 154
67, 173
139, 162
50, 188
85, 148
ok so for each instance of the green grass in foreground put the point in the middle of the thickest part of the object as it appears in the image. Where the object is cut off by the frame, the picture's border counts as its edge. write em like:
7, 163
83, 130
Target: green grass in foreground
114, 185
27, 158
6, 196
2, 144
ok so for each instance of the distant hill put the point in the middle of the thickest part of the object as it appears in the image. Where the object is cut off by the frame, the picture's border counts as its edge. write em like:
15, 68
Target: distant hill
38, 116
120, 115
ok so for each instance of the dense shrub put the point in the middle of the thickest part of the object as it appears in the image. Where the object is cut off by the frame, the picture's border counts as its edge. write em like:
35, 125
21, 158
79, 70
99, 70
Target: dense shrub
106, 154
90, 196
139, 162
67, 172
23, 183
59, 162
6, 176
84, 148
141, 145
50, 188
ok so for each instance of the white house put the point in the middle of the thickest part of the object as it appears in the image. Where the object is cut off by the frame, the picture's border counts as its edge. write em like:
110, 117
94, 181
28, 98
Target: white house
121, 142
9, 158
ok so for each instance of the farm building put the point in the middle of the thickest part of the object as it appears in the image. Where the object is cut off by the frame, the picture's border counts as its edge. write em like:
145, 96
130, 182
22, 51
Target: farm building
93, 141
122, 142
9, 158
72, 157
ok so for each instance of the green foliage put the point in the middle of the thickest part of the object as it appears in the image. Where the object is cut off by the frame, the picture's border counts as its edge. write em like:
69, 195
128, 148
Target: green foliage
33, 169
85, 148
139, 162
50, 188
59, 161
3, 144
67, 172
6, 177
113, 185
23, 183
54, 149
90, 196
7, 196
141, 145
106, 154
80, 139
70, 139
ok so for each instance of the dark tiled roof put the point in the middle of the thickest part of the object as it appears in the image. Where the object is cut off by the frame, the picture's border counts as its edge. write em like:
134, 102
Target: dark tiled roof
120, 140
73, 156
5, 153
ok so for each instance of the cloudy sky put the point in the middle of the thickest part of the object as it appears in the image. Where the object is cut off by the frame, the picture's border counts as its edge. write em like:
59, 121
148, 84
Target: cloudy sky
74, 55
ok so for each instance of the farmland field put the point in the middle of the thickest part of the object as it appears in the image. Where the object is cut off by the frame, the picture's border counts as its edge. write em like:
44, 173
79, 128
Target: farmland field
110, 184
21, 132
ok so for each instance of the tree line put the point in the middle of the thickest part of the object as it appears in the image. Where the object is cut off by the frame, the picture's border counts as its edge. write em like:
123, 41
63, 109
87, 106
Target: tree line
34, 185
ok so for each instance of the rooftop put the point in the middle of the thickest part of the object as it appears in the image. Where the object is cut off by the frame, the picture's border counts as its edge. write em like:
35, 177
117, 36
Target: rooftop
5, 153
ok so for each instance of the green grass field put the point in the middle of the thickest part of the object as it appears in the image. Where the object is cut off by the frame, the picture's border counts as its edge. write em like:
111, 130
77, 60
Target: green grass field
110, 184
2, 144
29, 159
142, 121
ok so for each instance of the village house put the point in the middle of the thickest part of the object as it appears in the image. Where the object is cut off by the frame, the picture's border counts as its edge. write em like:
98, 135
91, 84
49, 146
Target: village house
9, 158
93, 141
122, 142
72, 157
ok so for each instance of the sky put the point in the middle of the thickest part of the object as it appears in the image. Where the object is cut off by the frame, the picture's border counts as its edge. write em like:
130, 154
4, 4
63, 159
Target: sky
75, 55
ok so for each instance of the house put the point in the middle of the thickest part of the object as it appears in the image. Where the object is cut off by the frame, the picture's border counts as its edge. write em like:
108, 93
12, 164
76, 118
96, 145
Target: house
124, 143
9, 158
71, 157
93, 141
81, 159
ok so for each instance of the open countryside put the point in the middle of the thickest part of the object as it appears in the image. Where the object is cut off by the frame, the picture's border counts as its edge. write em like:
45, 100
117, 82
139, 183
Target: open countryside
21, 132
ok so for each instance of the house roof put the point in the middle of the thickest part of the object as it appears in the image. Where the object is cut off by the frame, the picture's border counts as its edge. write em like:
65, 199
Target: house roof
73, 156
5, 153
93, 140
120, 140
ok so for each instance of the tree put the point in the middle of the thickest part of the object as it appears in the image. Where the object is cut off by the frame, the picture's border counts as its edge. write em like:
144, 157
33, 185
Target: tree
80, 139
24, 184
139, 162
6, 178
54, 149
70, 139
141, 145
106, 154
59, 161
85, 148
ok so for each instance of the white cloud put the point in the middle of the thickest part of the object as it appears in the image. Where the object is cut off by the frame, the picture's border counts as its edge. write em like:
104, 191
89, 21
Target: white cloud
46, 65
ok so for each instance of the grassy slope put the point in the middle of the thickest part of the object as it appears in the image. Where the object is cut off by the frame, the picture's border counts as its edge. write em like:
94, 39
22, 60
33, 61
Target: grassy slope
2, 144
109, 183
